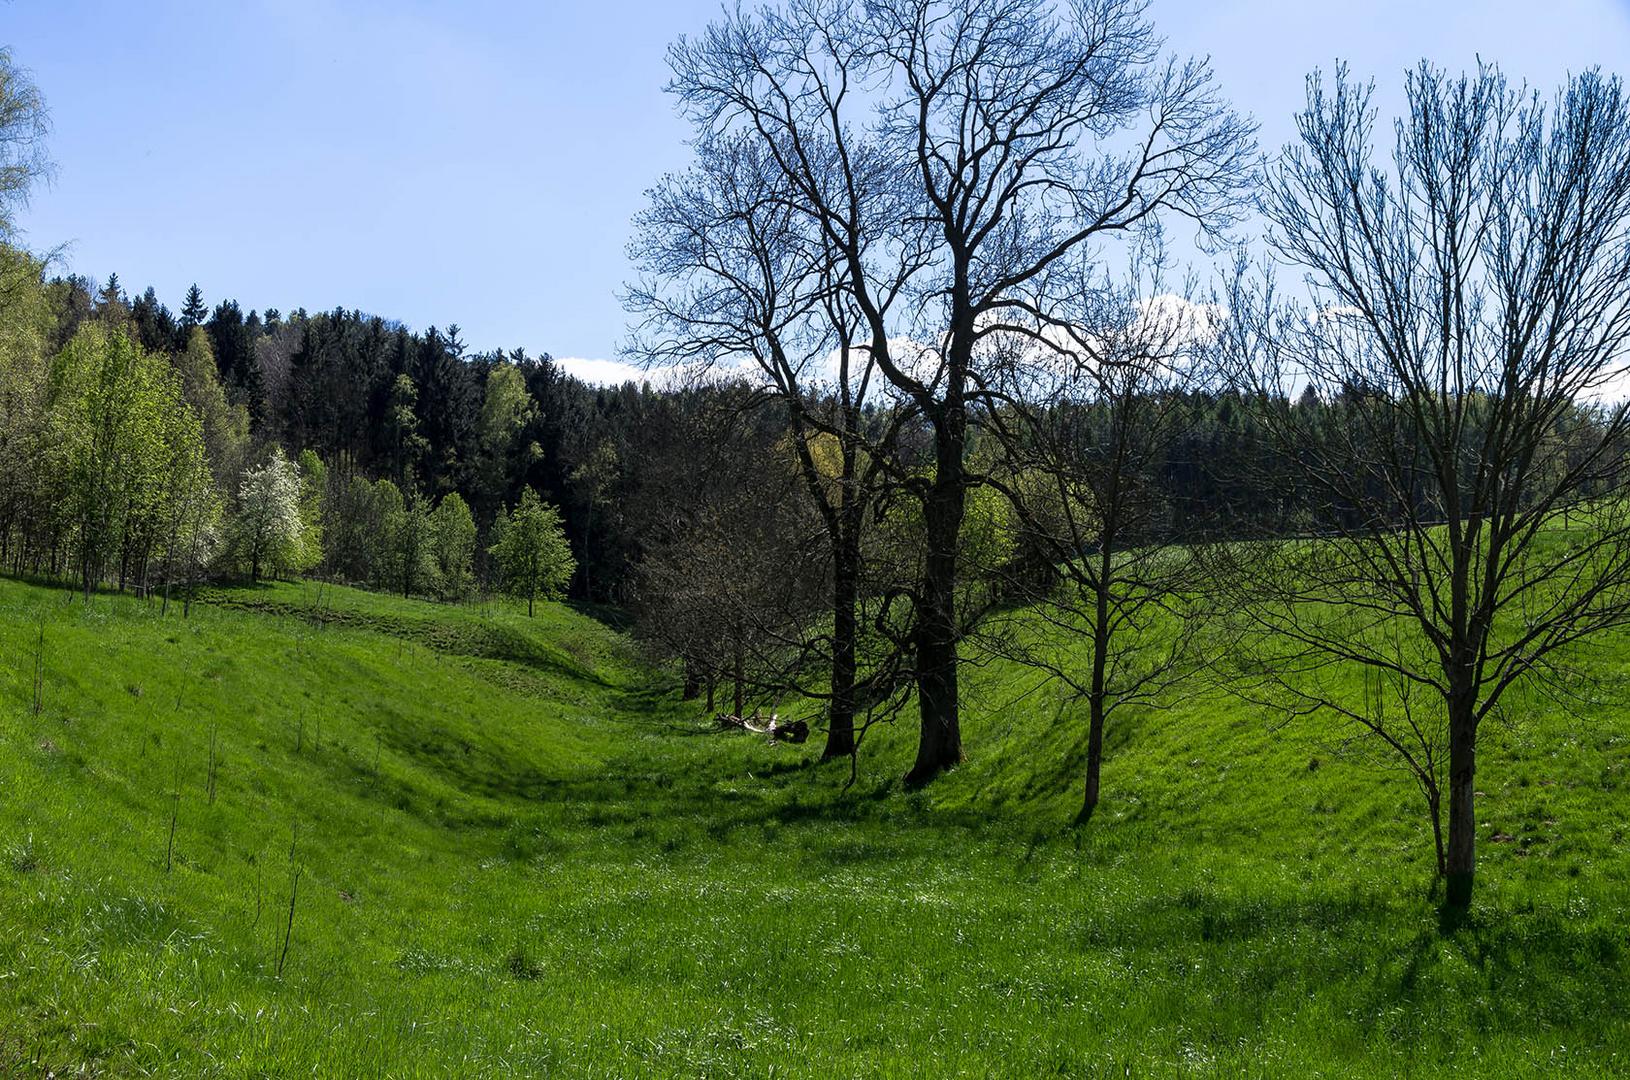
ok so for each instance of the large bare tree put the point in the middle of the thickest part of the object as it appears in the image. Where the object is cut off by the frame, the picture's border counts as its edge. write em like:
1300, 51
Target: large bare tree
1469, 321
952, 154
736, 280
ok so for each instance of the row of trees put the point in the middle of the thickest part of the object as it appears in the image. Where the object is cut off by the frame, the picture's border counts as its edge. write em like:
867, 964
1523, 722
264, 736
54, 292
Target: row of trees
144, 449
129, 467
378, 401
900, 225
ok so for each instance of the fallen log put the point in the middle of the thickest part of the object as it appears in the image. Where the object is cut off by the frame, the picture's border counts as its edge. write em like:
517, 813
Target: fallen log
795, 732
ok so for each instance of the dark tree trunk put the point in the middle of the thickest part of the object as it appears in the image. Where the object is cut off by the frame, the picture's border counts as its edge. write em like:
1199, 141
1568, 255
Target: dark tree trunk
693, 685
840, 732
1462, 853
1098, 690
169, 573
588, 532
939, 744
1095, 757
739, 672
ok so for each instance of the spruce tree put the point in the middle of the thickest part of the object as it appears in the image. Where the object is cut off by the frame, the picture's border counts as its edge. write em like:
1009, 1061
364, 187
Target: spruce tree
193, 310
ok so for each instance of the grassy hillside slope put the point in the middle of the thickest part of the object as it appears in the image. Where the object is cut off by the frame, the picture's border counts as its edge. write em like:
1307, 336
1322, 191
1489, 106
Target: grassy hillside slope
517, 854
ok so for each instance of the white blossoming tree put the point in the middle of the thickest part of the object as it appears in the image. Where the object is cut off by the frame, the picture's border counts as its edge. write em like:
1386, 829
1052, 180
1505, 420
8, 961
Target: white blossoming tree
267, 533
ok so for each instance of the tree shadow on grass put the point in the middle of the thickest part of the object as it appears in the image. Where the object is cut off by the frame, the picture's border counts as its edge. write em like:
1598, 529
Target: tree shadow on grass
1381, 959
607, 615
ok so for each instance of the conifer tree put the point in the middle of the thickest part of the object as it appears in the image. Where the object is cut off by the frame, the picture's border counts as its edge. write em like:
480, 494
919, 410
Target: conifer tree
193, 311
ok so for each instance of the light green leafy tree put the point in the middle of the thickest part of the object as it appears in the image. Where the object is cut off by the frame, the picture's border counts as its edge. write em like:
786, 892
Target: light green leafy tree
313, 487
533, 558
107, 446
408, 560
192, 504
226, 426
453, 538
25, 326
385, 515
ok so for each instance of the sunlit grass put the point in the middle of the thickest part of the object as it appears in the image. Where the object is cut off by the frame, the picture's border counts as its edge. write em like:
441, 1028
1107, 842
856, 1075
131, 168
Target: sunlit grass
516, 856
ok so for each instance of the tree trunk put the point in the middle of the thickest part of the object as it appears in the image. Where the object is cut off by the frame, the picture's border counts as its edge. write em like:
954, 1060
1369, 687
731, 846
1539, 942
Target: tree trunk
1095, 757
693, 685
588, 532
1462, 854
1434, 804
739, 673
1098, 690
939, 744
840, 732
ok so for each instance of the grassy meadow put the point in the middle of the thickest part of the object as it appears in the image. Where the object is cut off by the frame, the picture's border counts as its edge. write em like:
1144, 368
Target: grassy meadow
512, 851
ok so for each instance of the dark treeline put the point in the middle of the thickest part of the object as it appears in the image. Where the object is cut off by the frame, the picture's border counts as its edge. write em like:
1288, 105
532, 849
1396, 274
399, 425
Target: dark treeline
374, 399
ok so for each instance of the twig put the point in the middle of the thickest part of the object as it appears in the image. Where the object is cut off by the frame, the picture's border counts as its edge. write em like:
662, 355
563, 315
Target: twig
294, 892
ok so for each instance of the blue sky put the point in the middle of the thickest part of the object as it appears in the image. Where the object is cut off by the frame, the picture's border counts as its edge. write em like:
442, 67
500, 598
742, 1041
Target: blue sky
478, 161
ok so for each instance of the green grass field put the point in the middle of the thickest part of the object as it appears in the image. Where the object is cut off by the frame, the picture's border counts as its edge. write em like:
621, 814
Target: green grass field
518, 854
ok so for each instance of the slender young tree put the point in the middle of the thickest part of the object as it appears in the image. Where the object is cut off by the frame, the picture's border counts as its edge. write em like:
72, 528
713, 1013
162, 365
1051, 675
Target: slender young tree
191, 505
1092, 419
226, 426
1469, 323
410, 545
452, 531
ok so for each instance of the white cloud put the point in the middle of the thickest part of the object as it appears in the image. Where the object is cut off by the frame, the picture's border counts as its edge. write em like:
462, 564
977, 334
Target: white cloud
1175, 319
609, 372
1164, 328
914, 358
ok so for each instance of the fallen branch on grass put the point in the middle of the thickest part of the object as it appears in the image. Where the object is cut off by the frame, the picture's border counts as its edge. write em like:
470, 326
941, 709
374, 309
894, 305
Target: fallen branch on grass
795, 732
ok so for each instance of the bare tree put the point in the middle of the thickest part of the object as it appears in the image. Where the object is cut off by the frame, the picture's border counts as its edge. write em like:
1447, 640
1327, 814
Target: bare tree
731, 576
952, 153
1469, 318
737, 279
1093, 415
